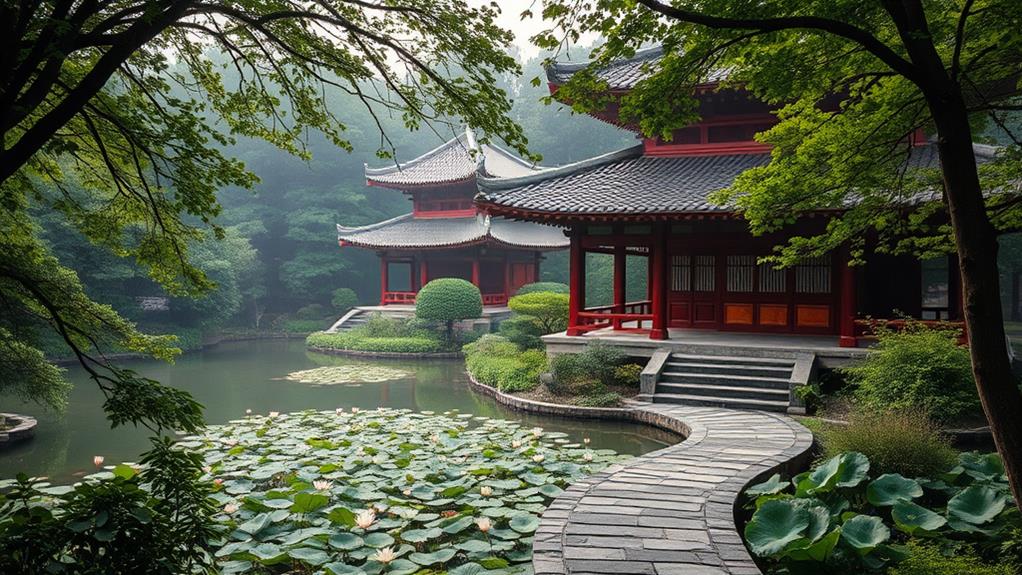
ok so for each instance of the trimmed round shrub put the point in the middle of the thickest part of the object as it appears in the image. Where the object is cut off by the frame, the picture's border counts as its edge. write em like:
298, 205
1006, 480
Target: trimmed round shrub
448, 300
627, 374
523, 331
903, 441
549, 309
919, 367
554, 287
343, 300
312, 311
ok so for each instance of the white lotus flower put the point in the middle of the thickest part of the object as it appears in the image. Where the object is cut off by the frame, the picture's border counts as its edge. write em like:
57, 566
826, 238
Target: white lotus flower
248, 412
406, 492
218, 482
339, 410
538, 457
207, 469
98, 460
354, 410
586, 441
486, 491
484, 524
588, 456
231, 442
537, 431
434, 438
516, 444
385, 555
274, 414
322, 484
365, 519
230, 508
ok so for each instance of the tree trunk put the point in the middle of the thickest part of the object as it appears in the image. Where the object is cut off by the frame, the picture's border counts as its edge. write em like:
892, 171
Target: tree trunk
976, 243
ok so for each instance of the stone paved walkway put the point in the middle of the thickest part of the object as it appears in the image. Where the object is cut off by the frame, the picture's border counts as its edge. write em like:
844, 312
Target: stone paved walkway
670, 512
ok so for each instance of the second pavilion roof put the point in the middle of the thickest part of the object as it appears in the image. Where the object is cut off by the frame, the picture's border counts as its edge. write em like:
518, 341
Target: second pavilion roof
408, 232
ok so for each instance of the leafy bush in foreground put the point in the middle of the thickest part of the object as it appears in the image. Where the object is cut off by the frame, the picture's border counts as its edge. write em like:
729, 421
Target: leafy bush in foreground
498, 363
929, 559
354, 341
919, 367
553, 287
523, 331
904, 442
841, 518
596, 365
548, 309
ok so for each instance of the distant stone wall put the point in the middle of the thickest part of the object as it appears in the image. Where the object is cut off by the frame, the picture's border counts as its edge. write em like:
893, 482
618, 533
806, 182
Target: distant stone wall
17, 428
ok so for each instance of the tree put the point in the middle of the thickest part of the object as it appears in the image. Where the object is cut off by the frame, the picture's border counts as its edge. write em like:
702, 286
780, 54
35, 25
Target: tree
548, 308
896, 66
448, 300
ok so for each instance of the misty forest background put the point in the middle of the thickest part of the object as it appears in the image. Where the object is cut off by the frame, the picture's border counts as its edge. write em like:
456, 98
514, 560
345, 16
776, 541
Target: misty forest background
280, 263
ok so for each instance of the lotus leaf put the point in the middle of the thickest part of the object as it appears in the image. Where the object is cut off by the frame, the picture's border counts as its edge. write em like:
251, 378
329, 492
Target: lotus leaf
439, 556
402, 567
422, 535
774, 525
891, 488
307, 502
983, 467
473, 545
466, 569
524, 523
309, 555
459, 525
345, 541
342, 374
976, 504
343, 569
256, 523
844, 470
768, 487
910, 517
378, 540
864, 533
819, 550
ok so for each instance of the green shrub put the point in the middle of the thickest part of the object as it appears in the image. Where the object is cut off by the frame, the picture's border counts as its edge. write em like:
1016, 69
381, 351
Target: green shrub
902, 441
919, 367
312, 311
928, 559
549, 309
304, 325
498, 363
554, 287
354, 341
585, 372
379, 325
605, 399
524, 331
627, 374
343, 300
448, 300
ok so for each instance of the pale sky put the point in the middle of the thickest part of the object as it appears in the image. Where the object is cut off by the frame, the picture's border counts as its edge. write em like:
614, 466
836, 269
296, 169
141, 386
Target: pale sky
510, 19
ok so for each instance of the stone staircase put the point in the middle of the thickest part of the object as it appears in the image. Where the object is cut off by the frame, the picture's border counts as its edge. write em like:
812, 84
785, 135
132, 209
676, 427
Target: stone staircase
730, 381
352, 319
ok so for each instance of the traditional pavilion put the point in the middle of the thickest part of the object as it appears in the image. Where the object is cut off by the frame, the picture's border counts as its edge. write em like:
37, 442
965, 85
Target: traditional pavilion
703, 272
445, 235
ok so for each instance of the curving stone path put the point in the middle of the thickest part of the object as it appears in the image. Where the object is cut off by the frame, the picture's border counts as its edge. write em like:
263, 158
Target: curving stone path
670, 512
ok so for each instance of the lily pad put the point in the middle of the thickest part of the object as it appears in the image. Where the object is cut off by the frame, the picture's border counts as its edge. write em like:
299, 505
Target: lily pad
891, 488
864, 533
346, 374
976, 504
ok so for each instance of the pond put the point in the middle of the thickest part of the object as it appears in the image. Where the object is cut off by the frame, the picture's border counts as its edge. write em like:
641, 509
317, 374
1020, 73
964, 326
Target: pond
232, 377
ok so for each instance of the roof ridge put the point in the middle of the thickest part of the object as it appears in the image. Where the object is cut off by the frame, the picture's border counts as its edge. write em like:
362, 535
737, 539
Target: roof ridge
487, 182
401, 166
511, 156
353, 229
647, 53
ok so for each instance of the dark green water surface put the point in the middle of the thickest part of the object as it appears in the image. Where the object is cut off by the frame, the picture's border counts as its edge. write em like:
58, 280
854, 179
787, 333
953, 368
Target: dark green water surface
232, 377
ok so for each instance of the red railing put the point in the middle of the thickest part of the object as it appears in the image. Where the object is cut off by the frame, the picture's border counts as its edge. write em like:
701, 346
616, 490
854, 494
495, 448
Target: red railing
405, 297
494, 299
615, 316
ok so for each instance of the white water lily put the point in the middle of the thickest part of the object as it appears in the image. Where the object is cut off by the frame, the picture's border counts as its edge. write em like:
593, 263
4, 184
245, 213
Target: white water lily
274, 414
516, 444
98, 460
588, 456
486, 491
339, 410
248, 412
538, 457
406, 492
434, 438
586, 440
537, 431
385, 555
231, 442
230, 508
322, 484
354, 410
484, 524
365, 519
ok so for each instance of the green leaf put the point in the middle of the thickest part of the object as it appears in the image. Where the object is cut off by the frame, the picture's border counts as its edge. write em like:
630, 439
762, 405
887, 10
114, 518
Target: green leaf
774, 525
341, 516
466, 569
345, 541
421, 535
910, 517
309, 555
255, 524
459, 525
818, 551
378, 540
864, 533
439, 556
768, 487
891, 488
494, 563
525, 523
976, 504
473, 546
402, 567
985, 467
845, 470
124, 471
343, 569
308, 502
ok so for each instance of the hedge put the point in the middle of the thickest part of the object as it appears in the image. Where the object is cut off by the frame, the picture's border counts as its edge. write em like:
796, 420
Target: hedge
554, 287
354, 342
498, 363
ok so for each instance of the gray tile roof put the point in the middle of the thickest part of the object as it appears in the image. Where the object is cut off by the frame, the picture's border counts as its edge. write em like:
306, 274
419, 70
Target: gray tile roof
454, 161
408, 232
627, 182
621, 74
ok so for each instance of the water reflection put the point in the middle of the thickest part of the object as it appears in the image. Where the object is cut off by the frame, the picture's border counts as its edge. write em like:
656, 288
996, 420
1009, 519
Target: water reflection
233, 377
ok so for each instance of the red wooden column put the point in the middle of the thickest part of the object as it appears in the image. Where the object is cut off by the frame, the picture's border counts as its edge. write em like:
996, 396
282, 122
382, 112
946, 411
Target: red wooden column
507, 277
576, 282
619, 283
384, 279
475, 272
658, 257
848, 303
423, 273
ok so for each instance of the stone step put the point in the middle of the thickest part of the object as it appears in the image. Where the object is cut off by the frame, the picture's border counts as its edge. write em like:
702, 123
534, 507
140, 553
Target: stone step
729, 368
724, 391
724, 379
729, 403
733, 359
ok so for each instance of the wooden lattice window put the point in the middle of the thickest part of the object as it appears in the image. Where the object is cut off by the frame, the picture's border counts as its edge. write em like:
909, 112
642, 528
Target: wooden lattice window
740, 271
772, 279
681, 273
704, 273
812, 275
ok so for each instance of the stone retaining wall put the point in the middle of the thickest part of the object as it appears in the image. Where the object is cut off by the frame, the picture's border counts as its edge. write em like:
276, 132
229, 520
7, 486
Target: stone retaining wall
23, 427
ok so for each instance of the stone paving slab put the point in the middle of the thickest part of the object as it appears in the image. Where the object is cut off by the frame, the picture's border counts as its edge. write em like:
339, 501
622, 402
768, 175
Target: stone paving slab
670, 512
